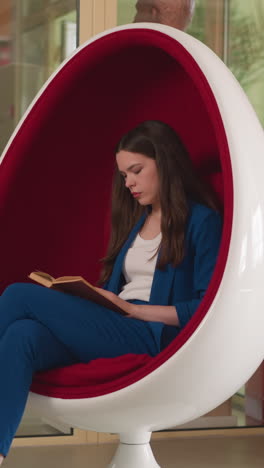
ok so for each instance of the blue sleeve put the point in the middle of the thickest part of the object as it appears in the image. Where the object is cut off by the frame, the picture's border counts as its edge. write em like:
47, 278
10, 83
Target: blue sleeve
206, 241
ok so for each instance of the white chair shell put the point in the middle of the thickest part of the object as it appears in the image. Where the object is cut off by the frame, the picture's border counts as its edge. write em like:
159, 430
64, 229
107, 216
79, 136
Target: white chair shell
228, 345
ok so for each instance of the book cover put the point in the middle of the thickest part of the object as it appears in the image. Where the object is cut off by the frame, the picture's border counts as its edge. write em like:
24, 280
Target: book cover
77, 286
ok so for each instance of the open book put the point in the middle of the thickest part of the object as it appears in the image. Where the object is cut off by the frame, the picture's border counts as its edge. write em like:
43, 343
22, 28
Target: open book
77, 286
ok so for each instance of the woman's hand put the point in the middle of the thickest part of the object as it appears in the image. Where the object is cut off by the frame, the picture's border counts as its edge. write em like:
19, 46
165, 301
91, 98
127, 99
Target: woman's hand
155, 313
126, 306
148, 313
108, 294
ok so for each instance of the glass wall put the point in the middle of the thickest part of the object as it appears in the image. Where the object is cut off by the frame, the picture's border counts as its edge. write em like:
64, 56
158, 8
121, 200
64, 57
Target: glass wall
234, 29
35, 37
245, 51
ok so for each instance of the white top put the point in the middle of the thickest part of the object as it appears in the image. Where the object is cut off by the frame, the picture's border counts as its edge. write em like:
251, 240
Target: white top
138, 268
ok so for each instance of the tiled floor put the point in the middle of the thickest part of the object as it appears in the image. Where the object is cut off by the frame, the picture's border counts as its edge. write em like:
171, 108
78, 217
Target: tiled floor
242, 452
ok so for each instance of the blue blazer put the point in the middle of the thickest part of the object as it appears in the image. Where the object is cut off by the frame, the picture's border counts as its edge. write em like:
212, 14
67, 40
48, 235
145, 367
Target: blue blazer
185, 285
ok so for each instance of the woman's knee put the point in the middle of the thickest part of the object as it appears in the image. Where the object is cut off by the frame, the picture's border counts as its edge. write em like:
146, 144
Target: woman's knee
17, 292
13, 290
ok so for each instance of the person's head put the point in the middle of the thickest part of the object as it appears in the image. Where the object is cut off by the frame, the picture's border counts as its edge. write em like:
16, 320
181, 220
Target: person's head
175, 13
154, 165
140, 175
152, 161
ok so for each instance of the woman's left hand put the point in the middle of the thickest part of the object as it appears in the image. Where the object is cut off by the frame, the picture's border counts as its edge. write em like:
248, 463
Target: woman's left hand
126, 306
131, 309
148, 313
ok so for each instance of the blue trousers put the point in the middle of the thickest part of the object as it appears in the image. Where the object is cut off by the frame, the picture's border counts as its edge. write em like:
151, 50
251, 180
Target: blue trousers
42, 329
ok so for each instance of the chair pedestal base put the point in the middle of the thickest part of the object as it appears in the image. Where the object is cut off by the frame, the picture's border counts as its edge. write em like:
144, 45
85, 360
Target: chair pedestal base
133, 456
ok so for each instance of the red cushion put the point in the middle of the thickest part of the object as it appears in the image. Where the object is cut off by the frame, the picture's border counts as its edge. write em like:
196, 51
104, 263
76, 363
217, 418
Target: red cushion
88, 380
55, 179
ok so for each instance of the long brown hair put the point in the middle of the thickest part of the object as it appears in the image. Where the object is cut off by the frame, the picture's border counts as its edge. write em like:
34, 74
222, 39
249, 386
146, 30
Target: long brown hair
178, 185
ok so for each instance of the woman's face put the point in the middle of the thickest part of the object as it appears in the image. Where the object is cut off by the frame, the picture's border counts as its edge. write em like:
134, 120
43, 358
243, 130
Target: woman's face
140, 176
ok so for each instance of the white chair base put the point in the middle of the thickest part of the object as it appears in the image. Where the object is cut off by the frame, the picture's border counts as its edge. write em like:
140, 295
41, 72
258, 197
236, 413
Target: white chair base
134, 451
133, 456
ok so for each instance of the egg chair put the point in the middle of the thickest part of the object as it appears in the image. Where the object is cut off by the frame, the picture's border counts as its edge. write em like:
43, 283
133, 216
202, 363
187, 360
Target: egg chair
55, 184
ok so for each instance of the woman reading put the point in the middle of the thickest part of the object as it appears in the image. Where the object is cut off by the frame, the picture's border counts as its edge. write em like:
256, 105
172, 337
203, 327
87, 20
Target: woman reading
164, 243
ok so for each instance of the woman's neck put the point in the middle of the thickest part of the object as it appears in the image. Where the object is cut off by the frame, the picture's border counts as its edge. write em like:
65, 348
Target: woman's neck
151, 227
155, 217
155, 211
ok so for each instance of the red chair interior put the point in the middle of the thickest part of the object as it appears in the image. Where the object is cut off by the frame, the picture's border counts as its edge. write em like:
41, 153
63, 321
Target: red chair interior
55, 179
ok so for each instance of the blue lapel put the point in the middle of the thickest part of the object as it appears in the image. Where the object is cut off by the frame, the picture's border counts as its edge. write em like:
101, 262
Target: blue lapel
161, 285
163, 279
